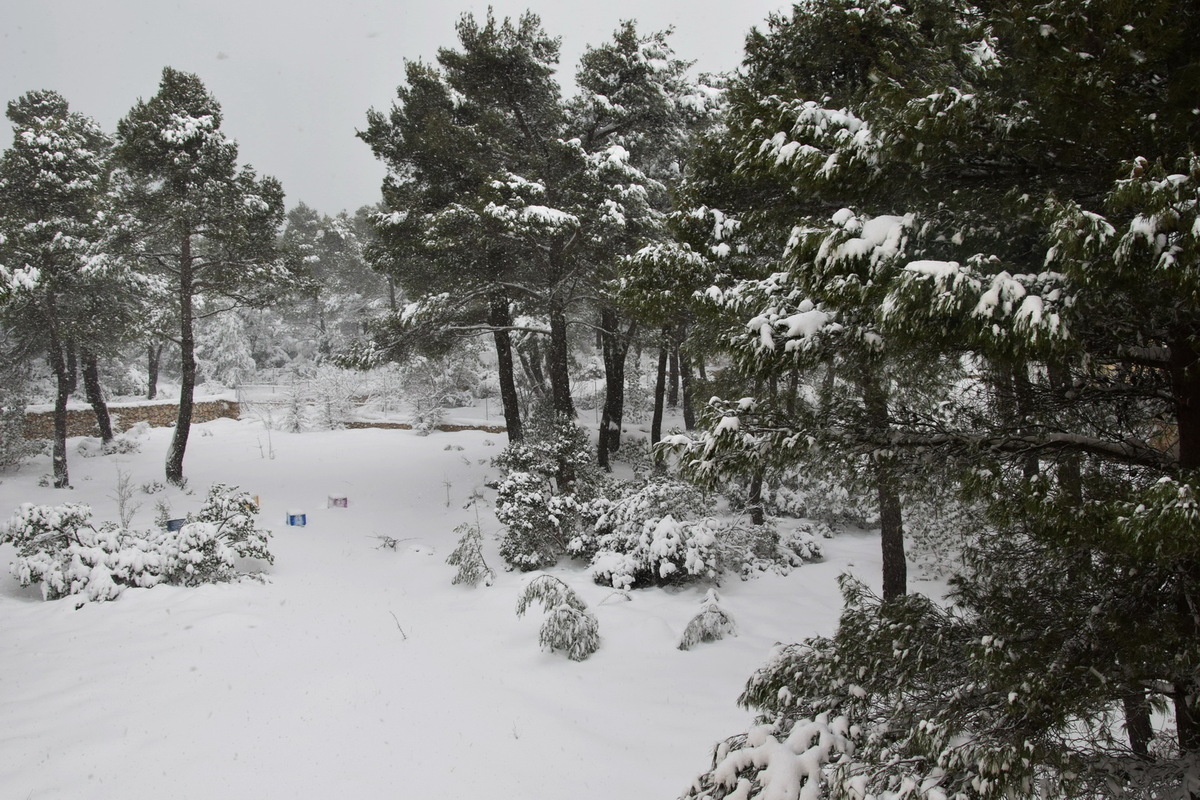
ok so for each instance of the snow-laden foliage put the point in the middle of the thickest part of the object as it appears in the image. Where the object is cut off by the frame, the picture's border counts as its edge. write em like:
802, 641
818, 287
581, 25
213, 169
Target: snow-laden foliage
568, 626
468, 557
547, 476
666, 531
538, 520
712, 624
665, 551
62, 550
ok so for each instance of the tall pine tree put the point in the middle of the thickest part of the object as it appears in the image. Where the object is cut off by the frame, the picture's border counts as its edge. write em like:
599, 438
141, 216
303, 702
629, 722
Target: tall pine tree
59, 296
191, 216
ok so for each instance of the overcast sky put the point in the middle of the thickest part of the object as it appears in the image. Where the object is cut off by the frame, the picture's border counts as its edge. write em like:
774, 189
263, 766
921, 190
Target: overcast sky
295, 78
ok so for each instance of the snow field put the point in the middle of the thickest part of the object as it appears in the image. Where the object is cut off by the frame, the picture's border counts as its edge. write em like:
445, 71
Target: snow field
359, 670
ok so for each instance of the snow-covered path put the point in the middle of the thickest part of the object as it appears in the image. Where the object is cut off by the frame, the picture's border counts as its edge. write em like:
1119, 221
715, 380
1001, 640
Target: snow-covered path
359, 670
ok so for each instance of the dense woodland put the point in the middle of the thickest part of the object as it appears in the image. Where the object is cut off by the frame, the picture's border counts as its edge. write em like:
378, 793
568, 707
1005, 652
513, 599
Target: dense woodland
936, 264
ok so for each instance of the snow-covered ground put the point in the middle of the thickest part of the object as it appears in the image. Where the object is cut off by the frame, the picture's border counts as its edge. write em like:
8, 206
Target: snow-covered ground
358, 670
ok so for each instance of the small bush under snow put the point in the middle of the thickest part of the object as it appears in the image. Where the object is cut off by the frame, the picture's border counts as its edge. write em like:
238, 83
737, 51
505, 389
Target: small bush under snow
664, 532
59, 548
569, 626
710, 625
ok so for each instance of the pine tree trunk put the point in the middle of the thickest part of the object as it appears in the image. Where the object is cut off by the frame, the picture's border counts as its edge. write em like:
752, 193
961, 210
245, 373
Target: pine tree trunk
95, 396
1022, 391
754, 502
685, 383
501, 319
153, 354
559, 365
187, 363
891, 527
1138, 724
673, 376
615, 348
62, 385
660, 389
1070, 465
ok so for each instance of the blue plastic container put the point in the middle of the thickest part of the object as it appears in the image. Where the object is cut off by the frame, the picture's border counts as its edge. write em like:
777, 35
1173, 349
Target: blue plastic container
297, 519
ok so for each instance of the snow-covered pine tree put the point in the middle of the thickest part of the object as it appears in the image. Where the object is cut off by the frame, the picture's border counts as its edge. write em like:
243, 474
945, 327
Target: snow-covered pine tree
190, 215
1036, 165
568, 626
468, 557
59, 295
712, 624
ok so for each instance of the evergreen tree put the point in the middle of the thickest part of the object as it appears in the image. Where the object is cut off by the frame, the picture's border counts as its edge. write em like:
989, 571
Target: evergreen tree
635, 103
59, 295
1012, 188
194, 218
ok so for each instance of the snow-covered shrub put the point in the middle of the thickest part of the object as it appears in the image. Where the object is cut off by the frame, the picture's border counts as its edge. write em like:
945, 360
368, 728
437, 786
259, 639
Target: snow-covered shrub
427, 418
569, 626
548, 476
231, 513
665, 532
537, 520
744, 547
295, 408
61, 549
710, 625
468, 557
634, 505
665, 551
90, 447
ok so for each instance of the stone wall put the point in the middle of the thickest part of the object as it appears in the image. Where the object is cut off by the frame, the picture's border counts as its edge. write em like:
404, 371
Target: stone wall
82, 421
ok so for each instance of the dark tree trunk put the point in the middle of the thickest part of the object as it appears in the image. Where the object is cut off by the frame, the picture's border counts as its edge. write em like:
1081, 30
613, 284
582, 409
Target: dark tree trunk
95, 395
700, 369
673, 376
1022, 391
754, 502
62, 393
660, 389
559, 365
685, 381
1070, 467
1187, 721
1185, 379
1138, 724
891, 523
501, 319
153, 355
615, 348
793, 389
187, 366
